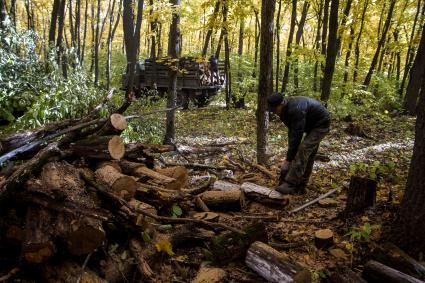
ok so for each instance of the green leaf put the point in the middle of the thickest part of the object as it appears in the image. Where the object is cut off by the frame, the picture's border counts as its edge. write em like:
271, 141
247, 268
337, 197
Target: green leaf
176, 210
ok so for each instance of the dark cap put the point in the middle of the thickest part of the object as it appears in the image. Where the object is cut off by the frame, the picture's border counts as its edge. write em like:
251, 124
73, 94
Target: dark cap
274, 101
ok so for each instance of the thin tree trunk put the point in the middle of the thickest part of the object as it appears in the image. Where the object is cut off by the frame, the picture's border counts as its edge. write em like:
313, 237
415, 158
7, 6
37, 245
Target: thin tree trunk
278, 28
226, 54
220, 42
3, 13
357, 47
257, 41
78, 26
345, 15
71, 23
153, 27
324, 38
410, 50
265, 84
93, 36
298, 37
110, 38
416, 76
83, 49
173, 52
240, 101
12, 12
285, 79
211, 24
96, 46
59, 41
380, 44
331, 52
53, 21
347, 58
317, 45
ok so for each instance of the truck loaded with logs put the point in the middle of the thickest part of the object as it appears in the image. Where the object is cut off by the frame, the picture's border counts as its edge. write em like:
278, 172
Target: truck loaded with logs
198, 79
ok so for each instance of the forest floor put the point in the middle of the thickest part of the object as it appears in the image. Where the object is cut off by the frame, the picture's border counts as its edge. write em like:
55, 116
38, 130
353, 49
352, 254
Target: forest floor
383, 151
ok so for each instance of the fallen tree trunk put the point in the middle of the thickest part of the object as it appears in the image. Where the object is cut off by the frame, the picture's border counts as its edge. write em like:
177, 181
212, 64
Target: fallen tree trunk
264, 195
380, 273
273, 265
120, 184
99, 148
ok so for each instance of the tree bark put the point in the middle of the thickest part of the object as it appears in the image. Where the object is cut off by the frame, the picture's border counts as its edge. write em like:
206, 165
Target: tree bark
173, 53
412, 210
278, 45
324, 38
380, 273
285, 79
298, 36
357, 47
265, 84
361, 195
416, 78
53, 21
331, 52
317, 45
380, 44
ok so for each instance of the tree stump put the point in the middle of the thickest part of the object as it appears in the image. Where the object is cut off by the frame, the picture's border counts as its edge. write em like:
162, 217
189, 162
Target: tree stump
273, 265
323, 238
361, 195
379, 273
120, 184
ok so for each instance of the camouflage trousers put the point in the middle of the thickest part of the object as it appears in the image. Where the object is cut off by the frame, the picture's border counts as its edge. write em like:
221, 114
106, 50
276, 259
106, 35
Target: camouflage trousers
302, 166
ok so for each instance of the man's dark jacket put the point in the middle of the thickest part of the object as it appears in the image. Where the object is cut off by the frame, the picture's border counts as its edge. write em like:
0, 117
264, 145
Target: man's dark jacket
301, 115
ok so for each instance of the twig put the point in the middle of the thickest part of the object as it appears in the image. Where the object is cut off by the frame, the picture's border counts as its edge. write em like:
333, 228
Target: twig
287, 246
10, 274
313, 201
84, 267
162, 219
197, 165
277, 218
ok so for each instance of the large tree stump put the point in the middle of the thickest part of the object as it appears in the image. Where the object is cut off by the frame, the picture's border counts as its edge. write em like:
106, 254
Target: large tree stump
38, 245
100, 148
361, 195
120, 184
228, 200
379, 273
273, 265
394, 257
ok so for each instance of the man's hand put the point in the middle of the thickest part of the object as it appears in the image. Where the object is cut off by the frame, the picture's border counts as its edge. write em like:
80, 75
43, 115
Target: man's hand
284, 169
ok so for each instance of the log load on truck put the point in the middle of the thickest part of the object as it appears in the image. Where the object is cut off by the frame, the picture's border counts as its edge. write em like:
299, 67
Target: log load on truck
198, 79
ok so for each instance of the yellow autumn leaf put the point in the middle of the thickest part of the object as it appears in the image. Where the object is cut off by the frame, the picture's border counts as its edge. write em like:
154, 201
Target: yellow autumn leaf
165, 246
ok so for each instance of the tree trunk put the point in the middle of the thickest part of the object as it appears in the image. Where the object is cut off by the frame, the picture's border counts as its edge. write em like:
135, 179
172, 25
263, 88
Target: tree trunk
298, 39
257, 41
331, 52
71, 23
285, 79
83, 48
345, 16
53, 21
173, 52
225, 11
412, 210
410, 50
153, 27
361, 195
211, 25
96, 46
278, 45
317, 45
3, 13
380, 273
347, 59
357, 47
240, 101
324, 38
380, 44
416, 78
265, 84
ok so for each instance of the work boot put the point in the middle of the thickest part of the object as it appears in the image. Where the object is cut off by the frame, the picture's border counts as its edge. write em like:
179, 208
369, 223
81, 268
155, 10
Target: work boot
290, 189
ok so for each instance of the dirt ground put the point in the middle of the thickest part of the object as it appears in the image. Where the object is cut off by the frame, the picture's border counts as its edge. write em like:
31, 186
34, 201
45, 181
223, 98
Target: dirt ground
384, 154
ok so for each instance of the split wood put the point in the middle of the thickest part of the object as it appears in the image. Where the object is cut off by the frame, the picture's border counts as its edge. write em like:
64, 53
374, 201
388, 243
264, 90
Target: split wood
156, 217
313, 201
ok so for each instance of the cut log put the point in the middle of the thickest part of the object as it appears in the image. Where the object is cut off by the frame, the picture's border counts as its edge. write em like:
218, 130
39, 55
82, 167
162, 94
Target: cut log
110, 163
232, 246
114, 126
210, 275
328, 202
38, 244
142, 265
140, 170
82, 235
323, 238
189, 236
361, 195
69, 272
394, 257
264, 195
273, 265
179, 173
225, 186
16, 181
102, 148
229, 200
379, 273
122, 185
